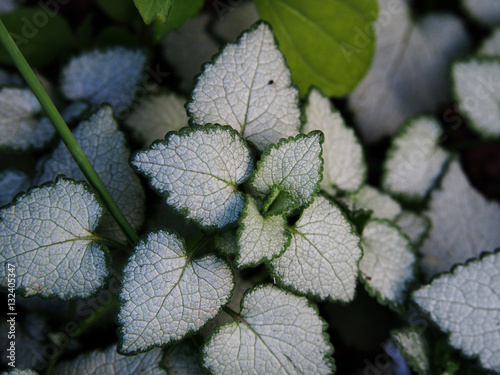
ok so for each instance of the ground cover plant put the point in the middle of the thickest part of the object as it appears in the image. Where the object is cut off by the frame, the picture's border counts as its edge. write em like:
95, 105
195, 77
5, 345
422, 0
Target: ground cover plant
254, 187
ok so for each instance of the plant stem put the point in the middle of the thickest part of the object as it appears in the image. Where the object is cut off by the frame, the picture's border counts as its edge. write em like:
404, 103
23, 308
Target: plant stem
110, 242
66, 135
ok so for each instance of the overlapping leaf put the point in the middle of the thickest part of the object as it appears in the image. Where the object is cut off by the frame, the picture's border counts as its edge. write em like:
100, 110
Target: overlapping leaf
322, 259
109, 362
276, 333
344, 166
414, 348
248, 86
466, 304
166, 294
415, 226
46, 234
107, 150
199, 169
154, 9
382, 205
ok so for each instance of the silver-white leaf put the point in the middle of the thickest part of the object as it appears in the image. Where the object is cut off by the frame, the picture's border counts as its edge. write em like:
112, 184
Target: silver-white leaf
344, 166
491, 45
47, 235
477, 90
415, 226
12, 182
409, 71
20, 127
466, 304
414, 348
106, 147
382, 205
486, 12
388, 264
110, 76
415, 160
199, 169
278, 333
322, 259
464, 224
166, 294
248, 86
109, 362
294, 165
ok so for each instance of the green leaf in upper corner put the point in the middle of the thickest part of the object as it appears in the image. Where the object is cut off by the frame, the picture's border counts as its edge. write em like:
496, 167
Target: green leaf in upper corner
293, 165
414, 348
486, 12
109, 76
109, 362
464, 223
415, 226
415, 160
344, 166
166, 294
40, 34
154, 9
182, 10
409, 74
279, 202
20, 126
106, 147
248, 86
477, 90
388, 266
322, 258
276, 332
157, 115
199, 170
47, 236
382, 205
328, 44
183, 359
260, 238
466, 304
122, 11
12, 182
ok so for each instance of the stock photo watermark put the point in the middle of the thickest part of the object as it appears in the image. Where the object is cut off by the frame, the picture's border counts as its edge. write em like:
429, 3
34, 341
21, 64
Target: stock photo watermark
11, 314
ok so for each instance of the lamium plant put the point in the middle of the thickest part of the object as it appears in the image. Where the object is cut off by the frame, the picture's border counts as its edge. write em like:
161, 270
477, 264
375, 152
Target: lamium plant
275, 215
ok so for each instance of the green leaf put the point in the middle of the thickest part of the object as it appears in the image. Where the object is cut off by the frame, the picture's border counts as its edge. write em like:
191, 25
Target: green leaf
107, 149
199, 170
344, 166
47, 235
182, 10
279, 202
109, 362
322, 259
414, 348
260, 238
466, 304
275, 333
166, 294
40, 34
122, 11
328, 44
154, 9
294, 165
248, 86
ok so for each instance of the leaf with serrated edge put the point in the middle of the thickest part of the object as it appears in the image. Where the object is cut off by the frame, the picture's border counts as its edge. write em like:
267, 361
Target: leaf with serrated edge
248, 86
409, 71
414, 348
12, 182
466, 304
156, 116
382, 205
415, 160
166, 294
109, 362
154, 9
259, 238
477, 90
293, 165
199, 168
486, 12
20, 127
46, 234
388, 264
344, 167
106, 147
183, 359
109, 76
278, 333
415, 226
322, 259
463, 223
